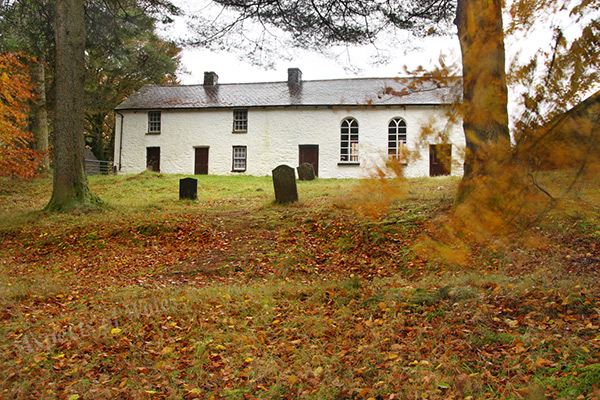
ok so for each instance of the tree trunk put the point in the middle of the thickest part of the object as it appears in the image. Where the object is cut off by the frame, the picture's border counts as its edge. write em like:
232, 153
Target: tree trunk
70, 185
485, 115
40, 115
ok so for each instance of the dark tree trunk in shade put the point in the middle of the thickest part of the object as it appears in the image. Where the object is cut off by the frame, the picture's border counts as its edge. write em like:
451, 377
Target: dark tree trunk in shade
70, 185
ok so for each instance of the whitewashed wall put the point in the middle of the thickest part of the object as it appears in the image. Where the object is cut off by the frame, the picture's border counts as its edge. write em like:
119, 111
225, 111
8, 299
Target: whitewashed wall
273, 137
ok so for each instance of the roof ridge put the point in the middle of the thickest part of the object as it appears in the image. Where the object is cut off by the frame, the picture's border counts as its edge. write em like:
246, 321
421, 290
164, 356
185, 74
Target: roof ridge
395, 78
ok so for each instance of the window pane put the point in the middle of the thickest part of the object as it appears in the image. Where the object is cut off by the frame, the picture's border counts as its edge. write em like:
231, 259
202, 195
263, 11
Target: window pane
240, 120
396, 137
239, 158
354, 152
349, 140
154, 121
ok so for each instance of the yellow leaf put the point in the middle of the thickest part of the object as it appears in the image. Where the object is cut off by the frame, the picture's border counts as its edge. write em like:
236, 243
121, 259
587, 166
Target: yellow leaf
249, 359
513, 323
115, 331
541, 362
519, 348
74, 397
220, 347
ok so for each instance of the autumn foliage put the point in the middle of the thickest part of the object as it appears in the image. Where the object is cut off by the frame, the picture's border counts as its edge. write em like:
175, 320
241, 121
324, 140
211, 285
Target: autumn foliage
16, 158
234, 297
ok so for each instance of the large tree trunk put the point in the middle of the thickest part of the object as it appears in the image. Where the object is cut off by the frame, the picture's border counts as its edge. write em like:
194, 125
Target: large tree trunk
485, 115
40, 115
70, 186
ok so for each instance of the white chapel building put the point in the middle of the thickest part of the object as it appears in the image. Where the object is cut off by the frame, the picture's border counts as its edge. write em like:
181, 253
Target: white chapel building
344, 127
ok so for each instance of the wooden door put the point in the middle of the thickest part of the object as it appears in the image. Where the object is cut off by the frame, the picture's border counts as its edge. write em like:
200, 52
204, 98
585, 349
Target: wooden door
440, 159
309, 153
201, 161
153, 159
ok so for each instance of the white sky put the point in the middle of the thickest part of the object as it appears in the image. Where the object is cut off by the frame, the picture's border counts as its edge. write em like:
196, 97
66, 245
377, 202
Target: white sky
231, 69
341, 62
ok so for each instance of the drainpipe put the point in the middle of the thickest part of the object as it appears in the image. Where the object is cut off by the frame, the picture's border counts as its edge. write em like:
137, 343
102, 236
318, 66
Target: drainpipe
120, 138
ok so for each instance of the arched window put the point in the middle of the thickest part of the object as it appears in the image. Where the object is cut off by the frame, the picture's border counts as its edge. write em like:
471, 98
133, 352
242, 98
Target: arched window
349, 140
396, 138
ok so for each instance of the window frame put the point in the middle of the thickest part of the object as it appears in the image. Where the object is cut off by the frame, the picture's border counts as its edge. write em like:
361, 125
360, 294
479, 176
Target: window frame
238, 158
153, 123
349, 142
240, 120
397, 138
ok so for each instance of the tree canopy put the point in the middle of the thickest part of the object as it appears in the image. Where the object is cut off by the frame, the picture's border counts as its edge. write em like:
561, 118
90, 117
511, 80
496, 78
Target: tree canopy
16, 158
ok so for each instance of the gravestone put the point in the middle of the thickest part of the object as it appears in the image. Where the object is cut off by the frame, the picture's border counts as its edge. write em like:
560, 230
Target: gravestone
306, 172
188, 189
284, 182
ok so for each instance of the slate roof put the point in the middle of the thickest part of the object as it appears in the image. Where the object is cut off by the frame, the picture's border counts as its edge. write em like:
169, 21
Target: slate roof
338, 92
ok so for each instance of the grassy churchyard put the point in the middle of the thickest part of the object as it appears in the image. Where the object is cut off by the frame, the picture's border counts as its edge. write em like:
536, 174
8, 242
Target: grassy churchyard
235, 297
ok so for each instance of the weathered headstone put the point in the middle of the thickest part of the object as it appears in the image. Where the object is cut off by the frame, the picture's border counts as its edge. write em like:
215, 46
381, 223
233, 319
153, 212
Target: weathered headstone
284, 182
188, 189
306, 172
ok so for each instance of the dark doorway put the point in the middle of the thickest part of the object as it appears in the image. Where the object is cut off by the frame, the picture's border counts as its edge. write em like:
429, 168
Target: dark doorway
310, 153
201, 161
440, 159
153, 159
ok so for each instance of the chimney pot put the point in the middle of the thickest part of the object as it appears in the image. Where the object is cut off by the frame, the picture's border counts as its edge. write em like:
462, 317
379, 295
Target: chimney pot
210, 79
294, 76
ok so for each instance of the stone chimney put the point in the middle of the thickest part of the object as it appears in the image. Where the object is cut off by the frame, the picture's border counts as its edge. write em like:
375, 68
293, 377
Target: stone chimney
294, 76
210, 79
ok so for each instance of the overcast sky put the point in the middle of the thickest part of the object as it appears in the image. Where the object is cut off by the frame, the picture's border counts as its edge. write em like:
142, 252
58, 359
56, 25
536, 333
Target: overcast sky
384, 61
345, 63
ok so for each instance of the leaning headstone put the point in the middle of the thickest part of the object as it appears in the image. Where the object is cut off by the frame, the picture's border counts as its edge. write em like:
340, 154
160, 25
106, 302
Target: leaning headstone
284, 182
188, 189
306, 172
